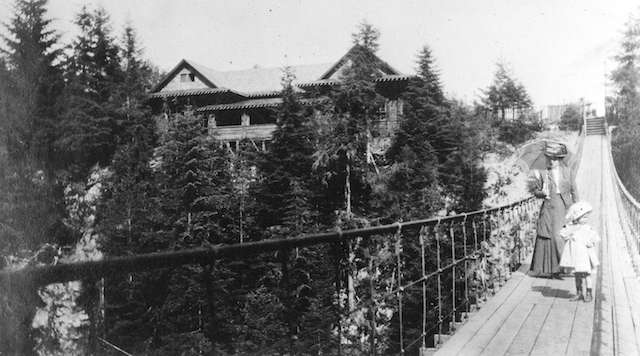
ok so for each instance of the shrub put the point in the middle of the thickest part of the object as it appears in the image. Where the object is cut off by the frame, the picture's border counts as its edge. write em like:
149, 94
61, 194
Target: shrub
571, 119
520, 130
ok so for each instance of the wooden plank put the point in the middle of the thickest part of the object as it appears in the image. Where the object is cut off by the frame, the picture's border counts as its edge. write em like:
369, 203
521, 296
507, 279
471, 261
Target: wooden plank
556, 330
478, 321
581, 331
499, 344
491, 327
526, 337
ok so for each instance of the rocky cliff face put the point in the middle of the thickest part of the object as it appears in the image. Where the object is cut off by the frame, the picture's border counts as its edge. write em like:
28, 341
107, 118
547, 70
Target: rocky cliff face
61, 324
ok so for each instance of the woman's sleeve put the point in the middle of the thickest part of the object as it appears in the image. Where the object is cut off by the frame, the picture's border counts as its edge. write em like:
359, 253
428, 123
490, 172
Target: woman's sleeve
574, 186
534, 184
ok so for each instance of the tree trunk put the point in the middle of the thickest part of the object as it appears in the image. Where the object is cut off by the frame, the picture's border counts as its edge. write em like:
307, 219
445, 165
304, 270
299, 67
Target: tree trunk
347, 191
210, 325
351, 292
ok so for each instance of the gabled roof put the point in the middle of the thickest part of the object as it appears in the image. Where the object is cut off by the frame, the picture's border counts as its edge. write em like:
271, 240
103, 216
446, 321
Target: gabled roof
261, 80
266, 82
384, 67
172, 73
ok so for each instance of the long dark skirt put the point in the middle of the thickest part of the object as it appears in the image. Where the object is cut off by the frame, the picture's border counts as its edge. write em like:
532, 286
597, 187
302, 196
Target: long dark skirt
546, 257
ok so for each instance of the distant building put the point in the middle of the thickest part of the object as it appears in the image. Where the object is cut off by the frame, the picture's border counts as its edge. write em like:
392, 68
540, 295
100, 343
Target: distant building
551, 114
238, 105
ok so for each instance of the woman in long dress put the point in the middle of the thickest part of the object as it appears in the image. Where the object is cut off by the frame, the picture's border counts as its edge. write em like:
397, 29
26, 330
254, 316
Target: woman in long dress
556, 185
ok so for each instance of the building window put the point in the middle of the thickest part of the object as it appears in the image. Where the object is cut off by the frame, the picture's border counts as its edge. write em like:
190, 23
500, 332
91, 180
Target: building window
381, 115
187, 77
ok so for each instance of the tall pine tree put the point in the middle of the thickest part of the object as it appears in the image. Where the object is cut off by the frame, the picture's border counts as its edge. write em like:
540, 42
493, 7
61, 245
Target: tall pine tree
29, 114
346, 126
198, 210
92, 123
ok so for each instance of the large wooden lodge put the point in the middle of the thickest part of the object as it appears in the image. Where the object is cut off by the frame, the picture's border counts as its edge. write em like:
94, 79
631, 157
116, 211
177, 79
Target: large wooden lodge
237, 105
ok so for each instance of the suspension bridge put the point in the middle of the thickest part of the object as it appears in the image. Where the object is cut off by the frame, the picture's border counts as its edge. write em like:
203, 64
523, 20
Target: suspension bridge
442, 289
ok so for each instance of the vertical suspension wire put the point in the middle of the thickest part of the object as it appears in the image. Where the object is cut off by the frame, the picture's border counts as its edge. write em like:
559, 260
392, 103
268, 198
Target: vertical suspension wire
517, 237
466, 260
423, 235
485, 285
439, 286
339, 250
372, 309
398, 251
475, 251
500, 224
484, 226
453, 276
636, 224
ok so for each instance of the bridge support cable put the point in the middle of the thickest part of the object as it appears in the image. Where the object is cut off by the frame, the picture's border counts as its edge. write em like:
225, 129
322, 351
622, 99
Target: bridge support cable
406, 299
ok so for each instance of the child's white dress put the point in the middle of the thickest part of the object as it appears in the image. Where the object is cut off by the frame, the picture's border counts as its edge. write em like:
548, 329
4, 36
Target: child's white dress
579, 251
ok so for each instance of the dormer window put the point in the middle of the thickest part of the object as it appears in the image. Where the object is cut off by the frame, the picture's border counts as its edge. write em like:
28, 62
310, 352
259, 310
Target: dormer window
187, 77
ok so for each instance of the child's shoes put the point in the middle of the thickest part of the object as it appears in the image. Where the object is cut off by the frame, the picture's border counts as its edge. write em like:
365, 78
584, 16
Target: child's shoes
589, 296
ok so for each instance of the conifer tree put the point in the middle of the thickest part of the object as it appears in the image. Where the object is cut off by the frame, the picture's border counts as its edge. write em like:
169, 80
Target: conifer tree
428, 72
288, 197
286, 193
423, 141
197, 211
626, 76
91, 123
346, 127
127, 219
32, 53
505, 94
31, 82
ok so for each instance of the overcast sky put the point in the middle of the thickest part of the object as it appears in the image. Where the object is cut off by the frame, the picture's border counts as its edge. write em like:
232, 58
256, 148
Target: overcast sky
556, 48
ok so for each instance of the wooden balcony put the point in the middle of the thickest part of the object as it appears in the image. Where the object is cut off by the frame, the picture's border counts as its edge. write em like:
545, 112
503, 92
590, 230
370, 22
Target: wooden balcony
238, 132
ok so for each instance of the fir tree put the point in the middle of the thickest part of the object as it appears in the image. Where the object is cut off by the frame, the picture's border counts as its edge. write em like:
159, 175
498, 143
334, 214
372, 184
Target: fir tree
286, 194
626, 75
428, 72
91, 124
32, 54
288, 197
197, 211
346, 127
505, 94
127, 219
31, 82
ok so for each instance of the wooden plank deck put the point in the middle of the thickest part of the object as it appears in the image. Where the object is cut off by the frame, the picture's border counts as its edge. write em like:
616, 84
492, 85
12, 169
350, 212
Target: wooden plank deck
534, 316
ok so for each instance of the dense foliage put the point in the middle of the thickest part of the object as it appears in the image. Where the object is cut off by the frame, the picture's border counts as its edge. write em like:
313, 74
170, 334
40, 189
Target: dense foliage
507, 105
571, 119
623, 108
333, 164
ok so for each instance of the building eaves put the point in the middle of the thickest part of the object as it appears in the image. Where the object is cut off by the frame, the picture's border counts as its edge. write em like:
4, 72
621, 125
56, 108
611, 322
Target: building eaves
249, 104
189, 92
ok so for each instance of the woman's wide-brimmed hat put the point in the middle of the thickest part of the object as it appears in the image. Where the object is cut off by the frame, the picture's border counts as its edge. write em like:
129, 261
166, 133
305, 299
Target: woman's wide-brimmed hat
555, 149
577, 210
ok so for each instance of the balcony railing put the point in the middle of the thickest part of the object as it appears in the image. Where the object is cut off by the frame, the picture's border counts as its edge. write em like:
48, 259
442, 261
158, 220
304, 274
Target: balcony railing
240, 132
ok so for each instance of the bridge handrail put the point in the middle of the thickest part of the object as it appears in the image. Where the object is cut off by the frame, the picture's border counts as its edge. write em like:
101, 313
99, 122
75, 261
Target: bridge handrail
616, 176
43, 275
630, 208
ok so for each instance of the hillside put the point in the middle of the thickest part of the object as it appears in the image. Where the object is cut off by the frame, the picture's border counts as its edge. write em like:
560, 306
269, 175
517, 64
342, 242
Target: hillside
506, 180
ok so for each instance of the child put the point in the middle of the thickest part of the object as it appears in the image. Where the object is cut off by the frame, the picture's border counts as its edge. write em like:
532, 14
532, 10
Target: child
579, 252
